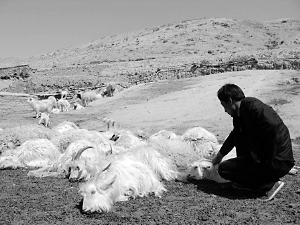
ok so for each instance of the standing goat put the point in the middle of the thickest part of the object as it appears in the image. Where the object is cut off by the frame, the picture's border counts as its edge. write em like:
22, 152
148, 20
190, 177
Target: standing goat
45, 119
40, 106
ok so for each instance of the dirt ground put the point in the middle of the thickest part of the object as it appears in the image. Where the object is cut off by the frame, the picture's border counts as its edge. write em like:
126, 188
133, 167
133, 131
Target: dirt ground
170, 105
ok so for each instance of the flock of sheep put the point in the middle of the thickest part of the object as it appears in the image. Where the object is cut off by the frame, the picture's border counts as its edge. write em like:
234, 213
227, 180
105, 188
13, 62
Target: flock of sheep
44, 108
110, 166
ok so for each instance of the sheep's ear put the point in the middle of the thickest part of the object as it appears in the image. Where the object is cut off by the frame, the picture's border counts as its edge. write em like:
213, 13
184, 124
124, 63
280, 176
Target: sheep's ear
108, 184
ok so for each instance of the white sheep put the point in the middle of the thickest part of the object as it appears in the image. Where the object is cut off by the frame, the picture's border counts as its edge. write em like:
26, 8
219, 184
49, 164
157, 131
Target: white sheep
62, 141
45, 119
86, 162
40, 106
122, 179
65, 126
52, 99
63, 94
78, 106
109, 89
164, 134
12, 137
203, 169
32, 153
63, 105
73, 161
203, 142
89, 96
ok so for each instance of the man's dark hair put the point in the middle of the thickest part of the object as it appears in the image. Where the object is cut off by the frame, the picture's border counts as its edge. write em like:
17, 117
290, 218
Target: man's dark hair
230, 91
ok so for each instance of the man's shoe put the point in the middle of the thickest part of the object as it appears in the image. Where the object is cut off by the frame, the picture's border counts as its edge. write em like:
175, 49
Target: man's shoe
274, 190
241, 187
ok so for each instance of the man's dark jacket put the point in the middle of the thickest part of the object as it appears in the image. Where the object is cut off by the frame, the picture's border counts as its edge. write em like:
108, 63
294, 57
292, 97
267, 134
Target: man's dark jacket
265, 136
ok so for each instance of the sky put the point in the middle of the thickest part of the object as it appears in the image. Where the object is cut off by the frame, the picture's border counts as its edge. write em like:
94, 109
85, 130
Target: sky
35, 27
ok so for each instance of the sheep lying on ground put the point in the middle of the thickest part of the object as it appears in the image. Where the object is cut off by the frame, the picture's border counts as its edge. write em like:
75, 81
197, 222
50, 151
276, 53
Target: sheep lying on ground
40, 106
56, 111
45, 119
203, 169
127, 175
32, 153
65, 126
125, 140
202, 141
62, 141
163, 134
10, 138
74, 162
63, 105
77, 106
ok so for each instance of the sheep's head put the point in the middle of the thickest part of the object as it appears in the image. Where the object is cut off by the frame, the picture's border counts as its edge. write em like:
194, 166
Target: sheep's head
30, 100
78, 171
100, 193
199, 170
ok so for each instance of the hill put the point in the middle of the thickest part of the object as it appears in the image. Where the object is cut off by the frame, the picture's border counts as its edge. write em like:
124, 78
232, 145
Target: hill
139, 56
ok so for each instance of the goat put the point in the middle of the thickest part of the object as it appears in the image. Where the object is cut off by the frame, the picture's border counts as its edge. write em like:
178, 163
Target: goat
123, 178
77, 106
32, 153
45, 119
63, 94
65, 126
63, 105
40, 106
109, 90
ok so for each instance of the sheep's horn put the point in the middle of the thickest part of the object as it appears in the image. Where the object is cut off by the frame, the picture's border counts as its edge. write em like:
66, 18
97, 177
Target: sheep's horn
110, 152
106, 168
80, 151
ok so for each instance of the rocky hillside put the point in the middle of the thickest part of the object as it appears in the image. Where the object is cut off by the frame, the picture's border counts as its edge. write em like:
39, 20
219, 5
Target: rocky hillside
133, 56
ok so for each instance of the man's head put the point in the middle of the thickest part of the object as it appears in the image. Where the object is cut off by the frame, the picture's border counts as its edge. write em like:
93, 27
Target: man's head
230, 96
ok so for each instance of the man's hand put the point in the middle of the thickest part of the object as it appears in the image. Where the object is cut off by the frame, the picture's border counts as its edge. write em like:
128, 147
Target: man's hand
218, 158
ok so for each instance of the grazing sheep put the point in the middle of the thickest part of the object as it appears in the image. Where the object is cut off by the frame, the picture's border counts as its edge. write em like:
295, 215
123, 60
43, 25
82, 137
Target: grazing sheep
109, 90
32, 153
125, 140
40, 106
45, 119
122, 179
63, 105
